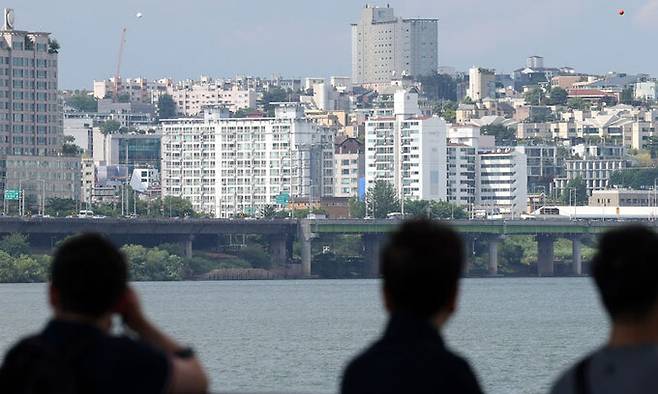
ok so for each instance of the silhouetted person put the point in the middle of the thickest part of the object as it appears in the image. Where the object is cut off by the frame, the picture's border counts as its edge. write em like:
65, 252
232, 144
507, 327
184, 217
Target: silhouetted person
421, 266
625, 270
76, 353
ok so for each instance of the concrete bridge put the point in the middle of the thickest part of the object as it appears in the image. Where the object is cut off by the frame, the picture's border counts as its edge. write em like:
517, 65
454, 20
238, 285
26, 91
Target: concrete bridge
282, 232
374, 232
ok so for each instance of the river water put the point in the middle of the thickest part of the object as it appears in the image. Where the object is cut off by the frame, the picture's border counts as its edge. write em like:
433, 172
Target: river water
265, 336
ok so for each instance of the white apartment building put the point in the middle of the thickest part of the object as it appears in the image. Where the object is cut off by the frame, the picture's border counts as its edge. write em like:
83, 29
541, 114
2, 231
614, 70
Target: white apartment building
503, 181
645, 90
233, 166
350, 167
462, 166
481, 83
138, 90
385, 47
190, 100
408, 150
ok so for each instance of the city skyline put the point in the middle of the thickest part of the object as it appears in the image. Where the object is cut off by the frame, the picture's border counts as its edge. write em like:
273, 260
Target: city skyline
267, 39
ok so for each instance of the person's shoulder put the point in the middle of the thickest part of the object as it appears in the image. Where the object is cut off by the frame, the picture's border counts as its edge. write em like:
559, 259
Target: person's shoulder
565, 382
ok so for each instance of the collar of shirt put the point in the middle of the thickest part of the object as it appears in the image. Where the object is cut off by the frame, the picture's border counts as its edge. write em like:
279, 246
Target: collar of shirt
403, 326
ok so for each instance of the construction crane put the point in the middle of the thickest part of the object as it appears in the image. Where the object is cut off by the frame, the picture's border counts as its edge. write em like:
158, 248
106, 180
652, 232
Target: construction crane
117, 75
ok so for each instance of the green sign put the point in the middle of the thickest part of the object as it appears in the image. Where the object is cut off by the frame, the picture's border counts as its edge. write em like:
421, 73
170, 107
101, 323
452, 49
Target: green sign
12, 194
282, 198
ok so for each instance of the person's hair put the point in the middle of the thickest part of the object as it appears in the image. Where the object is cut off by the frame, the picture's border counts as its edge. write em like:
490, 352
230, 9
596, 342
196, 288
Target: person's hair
421, 265
625, 270
90, 275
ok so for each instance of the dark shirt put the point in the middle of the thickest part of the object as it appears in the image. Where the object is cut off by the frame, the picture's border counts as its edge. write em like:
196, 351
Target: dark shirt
409, 358
102, 363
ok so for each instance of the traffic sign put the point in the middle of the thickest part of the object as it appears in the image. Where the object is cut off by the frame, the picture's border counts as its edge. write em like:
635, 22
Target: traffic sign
12, 194
282, 198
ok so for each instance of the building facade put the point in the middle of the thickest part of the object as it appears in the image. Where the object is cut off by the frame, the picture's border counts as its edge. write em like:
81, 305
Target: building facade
503, 181
350, 167
462, 175
385, 47
481, 83
237, 166
407, 150
30, 117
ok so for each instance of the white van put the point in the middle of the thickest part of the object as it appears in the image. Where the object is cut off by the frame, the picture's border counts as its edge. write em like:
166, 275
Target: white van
85, 213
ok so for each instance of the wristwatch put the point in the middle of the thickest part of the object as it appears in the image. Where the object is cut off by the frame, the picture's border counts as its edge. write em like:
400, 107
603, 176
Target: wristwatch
186, 352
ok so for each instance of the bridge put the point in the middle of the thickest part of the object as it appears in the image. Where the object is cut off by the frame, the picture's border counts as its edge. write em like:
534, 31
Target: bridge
491, 231
281, 233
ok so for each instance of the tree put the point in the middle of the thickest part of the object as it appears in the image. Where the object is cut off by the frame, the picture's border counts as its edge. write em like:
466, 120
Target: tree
627, 96
83, 102
153, 264
60, 206
578, 186
110, 126
634, 178
439, 87
166, 107
15, 244
53, 46
357, 207
558, 96
382, 199
504, 135
177, 207
578, 103
447, 110
267, 212
256, 255
273, 95
533, 96
69, 148
446, 210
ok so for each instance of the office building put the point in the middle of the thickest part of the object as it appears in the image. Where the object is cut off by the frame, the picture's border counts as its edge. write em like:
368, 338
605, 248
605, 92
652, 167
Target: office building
385, 47
408, 150
237, 166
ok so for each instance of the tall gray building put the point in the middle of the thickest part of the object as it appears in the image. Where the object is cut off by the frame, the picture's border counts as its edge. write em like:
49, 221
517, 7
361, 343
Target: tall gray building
31, 118
385, 46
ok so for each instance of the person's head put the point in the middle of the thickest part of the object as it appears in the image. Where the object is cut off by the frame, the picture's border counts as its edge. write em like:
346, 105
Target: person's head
625, 270
421, 265
88, 276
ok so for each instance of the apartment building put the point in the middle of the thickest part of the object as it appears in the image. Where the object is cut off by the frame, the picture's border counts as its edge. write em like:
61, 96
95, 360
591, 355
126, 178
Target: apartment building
30, 116
502, 182
462, 174
350, 167
385, 47
481, 83
236, 166
408, 150
594, 164
190, 99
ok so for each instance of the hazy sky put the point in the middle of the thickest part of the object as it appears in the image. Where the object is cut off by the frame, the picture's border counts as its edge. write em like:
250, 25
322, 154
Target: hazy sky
185, 39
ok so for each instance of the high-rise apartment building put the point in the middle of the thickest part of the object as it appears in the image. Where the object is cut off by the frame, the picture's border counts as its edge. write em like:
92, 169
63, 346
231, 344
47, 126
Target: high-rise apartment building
350, 166
462, 173
503, 181
30, 116
233, 166
385, 46
408, 150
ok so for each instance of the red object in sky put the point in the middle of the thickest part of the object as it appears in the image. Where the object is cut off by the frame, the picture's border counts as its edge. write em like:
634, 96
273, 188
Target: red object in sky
622, 12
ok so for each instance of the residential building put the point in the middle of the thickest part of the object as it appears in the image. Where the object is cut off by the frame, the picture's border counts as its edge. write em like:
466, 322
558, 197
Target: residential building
645, 91
481, 83
190, 99
408, 150
385, 46
462, 172
30, 117
594, 164
237, 166
543, 166
350, 167
502, 182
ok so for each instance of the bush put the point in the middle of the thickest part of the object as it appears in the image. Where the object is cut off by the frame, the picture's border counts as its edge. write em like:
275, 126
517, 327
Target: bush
15, 244
256, 255
153, 264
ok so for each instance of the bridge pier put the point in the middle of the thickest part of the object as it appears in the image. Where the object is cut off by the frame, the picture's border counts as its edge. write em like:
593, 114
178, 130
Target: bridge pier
372, 244
545, 257
187, 245
468, 254
306, 239
279, 249
576, 256
492, 267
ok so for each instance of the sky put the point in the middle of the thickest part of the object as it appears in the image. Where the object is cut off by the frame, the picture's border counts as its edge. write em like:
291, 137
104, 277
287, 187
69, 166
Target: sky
300, 38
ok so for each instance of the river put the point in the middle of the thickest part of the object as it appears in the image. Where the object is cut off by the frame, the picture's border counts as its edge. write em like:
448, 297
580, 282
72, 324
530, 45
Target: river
265, 336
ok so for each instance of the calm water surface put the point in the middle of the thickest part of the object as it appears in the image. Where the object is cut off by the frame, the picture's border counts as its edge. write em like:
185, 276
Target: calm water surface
297, 335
